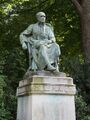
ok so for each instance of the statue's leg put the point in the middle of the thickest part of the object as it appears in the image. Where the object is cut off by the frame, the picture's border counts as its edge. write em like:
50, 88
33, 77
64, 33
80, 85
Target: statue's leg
56, 66
35, 58
54, 53
43, 53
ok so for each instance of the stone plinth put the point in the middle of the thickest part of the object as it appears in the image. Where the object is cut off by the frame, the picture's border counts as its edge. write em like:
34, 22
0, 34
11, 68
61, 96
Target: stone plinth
46, 98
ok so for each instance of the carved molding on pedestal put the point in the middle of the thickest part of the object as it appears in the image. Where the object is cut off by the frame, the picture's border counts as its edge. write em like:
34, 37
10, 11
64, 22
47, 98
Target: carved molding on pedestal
46, 85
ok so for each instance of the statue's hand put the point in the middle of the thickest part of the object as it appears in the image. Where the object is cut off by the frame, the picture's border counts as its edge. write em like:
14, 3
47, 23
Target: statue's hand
24, 46
49, 41
45, 42
41, 43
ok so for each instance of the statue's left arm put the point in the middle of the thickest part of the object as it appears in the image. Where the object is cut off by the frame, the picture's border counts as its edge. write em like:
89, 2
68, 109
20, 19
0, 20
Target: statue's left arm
51, 36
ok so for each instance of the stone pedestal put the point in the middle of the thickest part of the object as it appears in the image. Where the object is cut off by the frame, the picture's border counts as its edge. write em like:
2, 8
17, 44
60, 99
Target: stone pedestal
46, 98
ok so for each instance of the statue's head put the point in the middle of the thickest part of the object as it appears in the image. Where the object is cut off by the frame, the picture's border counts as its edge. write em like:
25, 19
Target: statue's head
41, 17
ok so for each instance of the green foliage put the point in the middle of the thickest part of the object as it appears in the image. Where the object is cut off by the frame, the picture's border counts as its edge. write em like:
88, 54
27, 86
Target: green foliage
81, 109
4, 113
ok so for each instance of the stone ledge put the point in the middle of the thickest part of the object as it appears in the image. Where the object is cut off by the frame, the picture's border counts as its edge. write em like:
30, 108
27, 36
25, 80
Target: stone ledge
46, 89
46, 85
28, 75
46, 79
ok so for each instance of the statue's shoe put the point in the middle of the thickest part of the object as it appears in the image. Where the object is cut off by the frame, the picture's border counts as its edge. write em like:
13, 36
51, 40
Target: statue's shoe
51, 68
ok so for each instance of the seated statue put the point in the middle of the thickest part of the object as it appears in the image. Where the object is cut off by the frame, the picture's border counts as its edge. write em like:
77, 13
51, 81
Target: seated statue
39, 39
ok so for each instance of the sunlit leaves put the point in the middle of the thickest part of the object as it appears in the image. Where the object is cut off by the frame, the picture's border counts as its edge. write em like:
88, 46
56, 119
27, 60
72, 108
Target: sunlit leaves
51, 1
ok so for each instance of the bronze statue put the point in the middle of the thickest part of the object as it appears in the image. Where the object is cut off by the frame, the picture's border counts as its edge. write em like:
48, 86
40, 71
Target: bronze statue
39, 39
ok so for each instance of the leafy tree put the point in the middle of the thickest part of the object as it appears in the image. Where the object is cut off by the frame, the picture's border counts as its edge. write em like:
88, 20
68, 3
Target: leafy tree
83, 8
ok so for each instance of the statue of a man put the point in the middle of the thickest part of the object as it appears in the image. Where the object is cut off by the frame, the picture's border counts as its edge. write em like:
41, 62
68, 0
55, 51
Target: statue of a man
39, 39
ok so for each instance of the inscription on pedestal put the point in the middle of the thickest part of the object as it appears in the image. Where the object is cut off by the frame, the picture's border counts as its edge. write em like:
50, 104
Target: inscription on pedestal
47, 88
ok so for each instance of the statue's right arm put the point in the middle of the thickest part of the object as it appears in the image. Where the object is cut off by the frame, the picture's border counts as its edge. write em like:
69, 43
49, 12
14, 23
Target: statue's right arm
24, 38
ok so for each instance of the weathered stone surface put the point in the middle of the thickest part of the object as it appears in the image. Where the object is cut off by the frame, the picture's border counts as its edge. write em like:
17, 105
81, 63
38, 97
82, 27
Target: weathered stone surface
46, 85
46, 98
28, 75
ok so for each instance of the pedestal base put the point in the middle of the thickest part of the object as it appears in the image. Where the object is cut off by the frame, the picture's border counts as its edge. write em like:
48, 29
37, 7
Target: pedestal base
46, 98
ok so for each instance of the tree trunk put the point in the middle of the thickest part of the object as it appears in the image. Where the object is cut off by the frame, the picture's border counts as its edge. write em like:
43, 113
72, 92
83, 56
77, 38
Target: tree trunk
85, 26
83, 8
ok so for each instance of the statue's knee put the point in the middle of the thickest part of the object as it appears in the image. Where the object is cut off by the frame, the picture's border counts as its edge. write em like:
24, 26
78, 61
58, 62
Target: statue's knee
42, 50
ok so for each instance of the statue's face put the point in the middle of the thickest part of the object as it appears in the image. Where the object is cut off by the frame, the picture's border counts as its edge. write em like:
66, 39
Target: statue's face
41, 17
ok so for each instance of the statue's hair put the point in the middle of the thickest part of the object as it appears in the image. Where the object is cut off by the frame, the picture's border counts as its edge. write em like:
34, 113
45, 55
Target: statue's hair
39, 13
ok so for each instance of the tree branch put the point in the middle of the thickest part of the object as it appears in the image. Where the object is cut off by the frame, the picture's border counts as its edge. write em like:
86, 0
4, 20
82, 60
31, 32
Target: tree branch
78, 6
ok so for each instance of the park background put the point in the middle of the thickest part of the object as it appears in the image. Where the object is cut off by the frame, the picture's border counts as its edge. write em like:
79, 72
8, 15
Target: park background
15, 16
